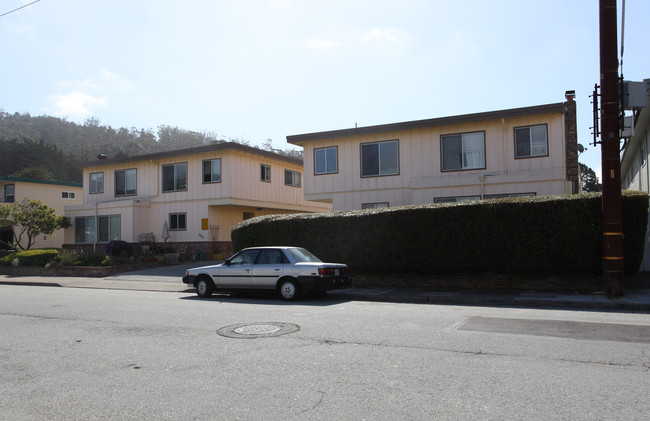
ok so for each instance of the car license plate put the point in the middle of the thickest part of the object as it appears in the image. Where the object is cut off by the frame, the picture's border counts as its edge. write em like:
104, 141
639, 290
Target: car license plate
336, 272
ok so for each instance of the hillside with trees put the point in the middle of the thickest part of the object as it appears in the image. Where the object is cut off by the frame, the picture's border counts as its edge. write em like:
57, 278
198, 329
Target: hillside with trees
51, 148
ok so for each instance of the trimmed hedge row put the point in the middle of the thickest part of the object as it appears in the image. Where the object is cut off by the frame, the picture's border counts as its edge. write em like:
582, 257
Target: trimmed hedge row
546, 235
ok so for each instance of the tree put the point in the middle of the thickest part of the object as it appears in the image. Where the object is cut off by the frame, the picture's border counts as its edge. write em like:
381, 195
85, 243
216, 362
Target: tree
39, 173
29, 218
589, 180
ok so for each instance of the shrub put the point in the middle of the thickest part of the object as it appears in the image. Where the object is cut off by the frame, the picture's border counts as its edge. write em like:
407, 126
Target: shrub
35, 257
546, 235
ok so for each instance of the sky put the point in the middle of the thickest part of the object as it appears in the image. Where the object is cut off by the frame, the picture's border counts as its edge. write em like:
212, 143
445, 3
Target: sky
253, 70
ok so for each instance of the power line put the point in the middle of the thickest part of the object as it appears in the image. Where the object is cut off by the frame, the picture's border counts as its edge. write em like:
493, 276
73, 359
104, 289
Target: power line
21, 7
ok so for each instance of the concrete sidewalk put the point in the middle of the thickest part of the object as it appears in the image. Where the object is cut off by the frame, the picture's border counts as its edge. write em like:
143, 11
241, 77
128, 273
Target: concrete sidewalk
168, 279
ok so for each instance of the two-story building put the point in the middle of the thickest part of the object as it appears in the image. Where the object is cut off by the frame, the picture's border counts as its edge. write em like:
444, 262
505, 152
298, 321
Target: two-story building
635, 174
187, 199
56, 194
515, 152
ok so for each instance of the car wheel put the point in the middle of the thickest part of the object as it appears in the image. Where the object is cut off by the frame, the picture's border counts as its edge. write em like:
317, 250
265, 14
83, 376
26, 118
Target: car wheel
289, 289
204, 287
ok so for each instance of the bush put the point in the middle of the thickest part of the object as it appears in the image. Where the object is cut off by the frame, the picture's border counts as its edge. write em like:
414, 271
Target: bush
546, 235
35, 257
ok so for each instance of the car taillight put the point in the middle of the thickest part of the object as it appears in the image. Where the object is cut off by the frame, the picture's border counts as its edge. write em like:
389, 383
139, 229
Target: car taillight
333, 271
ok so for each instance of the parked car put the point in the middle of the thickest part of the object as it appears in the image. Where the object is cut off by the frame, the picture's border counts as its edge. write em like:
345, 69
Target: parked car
288, 270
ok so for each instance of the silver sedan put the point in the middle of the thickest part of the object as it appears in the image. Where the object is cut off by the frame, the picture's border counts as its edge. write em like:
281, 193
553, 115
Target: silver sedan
289, 270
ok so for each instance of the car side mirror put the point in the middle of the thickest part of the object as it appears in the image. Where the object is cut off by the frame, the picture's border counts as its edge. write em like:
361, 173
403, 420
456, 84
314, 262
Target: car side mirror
227, 262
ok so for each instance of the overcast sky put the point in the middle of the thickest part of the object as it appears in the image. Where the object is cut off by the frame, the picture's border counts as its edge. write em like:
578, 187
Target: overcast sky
263, 69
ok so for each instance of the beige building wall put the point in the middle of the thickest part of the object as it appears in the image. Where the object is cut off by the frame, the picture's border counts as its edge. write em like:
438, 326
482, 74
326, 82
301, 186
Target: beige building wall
240, 194
421, 179
52, 194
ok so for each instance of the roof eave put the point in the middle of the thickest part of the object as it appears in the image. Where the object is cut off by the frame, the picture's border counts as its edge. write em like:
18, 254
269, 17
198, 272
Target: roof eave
441, 121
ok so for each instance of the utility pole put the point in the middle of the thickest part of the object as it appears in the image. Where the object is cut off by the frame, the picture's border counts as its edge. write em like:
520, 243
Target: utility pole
613, 262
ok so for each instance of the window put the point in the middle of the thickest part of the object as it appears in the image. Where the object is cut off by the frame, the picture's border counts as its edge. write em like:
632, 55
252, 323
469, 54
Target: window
291, 178
96, 182
177, 221
465, 151
381, 158
174, 177
265, 171
326, 160
125, 182
84, 230
455, 199
506, 195
9, 193
212, 171
68, 195
374, 205
531, 141
108, 227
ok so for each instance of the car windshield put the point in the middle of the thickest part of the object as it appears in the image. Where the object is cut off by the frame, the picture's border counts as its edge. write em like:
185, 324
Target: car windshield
301, 255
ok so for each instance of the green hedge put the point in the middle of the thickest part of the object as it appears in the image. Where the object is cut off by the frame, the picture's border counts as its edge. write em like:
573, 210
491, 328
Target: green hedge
36, 257
547, 235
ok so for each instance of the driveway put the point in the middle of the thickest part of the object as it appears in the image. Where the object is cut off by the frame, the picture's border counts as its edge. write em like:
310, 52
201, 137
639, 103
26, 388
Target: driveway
161, 274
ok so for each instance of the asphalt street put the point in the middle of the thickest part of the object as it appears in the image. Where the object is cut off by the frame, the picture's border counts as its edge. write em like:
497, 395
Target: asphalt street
168, 279
87, 353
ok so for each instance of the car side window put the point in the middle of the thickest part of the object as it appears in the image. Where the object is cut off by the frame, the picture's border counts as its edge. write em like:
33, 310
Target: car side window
246, 257
270, 257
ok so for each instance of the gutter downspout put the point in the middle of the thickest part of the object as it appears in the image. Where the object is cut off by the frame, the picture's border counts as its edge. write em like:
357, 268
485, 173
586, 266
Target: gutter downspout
96, 228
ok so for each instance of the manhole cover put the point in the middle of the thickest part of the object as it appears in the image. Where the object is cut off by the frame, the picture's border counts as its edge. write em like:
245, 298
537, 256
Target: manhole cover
257, 330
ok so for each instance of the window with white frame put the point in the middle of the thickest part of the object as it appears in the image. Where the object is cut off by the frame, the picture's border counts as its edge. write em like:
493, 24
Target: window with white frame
174, 177
377, 205
68, 195
326, 160
125, 182
107, 229
455, 199
380, 158
9, 195
531, 141
265, 173
506, 195
212, 170
84, 229
96, 184
464, 151
178, 221
291, 178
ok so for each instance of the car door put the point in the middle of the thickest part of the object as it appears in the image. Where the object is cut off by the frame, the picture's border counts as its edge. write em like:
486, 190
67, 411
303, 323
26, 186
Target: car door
268, 267
236, 271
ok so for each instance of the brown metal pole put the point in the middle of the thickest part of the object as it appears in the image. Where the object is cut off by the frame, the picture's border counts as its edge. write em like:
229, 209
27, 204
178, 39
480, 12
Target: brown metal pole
613, 262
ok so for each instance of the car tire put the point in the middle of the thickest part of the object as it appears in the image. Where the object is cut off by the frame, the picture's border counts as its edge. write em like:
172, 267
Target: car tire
289, 289
204, 287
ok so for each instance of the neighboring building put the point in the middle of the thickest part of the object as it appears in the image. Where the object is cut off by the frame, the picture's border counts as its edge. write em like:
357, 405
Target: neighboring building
635, 174
517, 152
56, 194
189, 199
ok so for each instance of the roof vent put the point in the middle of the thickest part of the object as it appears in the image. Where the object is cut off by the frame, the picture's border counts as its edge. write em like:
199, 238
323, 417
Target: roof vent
102, 156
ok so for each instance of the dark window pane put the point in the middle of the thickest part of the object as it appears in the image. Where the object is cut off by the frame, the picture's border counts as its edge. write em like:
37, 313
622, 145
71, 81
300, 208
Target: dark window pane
452, 148
370, 159
522, 139
168, 177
